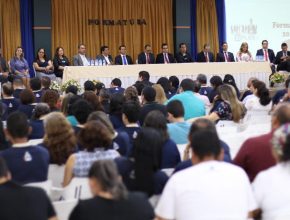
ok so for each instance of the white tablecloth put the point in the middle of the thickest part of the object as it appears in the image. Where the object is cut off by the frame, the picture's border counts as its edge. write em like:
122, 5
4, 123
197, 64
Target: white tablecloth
129, 74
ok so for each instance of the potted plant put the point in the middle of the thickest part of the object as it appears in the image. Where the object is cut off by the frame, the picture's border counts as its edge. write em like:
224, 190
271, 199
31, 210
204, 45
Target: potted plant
278, 80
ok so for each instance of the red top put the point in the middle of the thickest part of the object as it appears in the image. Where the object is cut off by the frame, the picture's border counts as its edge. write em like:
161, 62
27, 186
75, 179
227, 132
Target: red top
255, 155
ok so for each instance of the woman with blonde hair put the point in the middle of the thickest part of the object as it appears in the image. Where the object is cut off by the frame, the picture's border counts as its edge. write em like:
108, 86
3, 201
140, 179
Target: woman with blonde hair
226, 105
59, 138
160, 97
244, 55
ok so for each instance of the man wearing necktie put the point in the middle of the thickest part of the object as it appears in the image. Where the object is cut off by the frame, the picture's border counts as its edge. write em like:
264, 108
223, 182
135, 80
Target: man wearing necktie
165, 57
123, 58
205, 56
283, 58
225, 56
266, 53
146, 57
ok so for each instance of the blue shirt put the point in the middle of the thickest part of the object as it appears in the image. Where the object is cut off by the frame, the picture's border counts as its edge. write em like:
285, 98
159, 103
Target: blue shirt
12, 104
193, 106
27, 109
178, 132
27, 164
170, 155
37, 129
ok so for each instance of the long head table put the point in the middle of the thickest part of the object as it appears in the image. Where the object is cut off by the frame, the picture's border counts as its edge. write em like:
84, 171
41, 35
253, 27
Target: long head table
129, 74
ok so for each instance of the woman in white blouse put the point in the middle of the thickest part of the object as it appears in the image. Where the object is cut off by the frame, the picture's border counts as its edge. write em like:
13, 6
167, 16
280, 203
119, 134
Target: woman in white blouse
271, 187
261, 100
244, 55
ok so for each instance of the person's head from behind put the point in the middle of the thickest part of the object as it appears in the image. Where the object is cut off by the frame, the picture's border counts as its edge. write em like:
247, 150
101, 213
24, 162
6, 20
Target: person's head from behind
261, 91
89, 86
26, 97
17, 129
197, 86
280, 115
187, 85
102, 117
165, 83
116, 103
131, 94
104, 178
284, 47
174, 82
59, 137
18, 83
71, 89
7, 90
45, 82
229, 79
51, 98
156, 119
99, 87
147, 151
81, 109
4, 172
216, 81
160, 94
175, 110
148, 94
104, 95
95, 135
35, 84
116, 82
130, 112
250, 82
205, 146
228, 94
40, 110
144, 76
202, 79
281, 143
93, 99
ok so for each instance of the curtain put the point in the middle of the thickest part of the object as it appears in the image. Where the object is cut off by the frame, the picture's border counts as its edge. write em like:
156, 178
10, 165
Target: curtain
221, 16
26, 14
70, 25
10, 27
207, 25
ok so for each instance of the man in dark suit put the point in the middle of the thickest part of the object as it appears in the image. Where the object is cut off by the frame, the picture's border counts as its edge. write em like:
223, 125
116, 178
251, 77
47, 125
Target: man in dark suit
123, 58
81, 59
267, 53
205, 56
224, 55
183, 56
105, 57
283, 58
146, 57
165, 57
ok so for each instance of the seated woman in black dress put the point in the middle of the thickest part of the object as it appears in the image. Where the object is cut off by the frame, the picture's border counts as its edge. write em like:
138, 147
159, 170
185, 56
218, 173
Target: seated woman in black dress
111, 199
42, 65
59, 62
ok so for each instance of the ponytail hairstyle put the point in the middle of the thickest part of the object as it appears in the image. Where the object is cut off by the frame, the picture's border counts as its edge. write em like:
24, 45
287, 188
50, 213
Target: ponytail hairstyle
262, 92
106, 173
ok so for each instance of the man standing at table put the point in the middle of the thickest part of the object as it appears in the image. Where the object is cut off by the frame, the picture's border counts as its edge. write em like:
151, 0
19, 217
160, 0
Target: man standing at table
105, 56
165, 57
146, 57
81, 59
224, 55
283, 58
123, 58
205, 56
183, 56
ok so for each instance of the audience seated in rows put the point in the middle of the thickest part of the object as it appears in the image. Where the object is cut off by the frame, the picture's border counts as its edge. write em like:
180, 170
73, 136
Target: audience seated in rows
116, 86
248, 93
27, 102
160, 97
229, 79
35, 85
215, 82
204, 88
36, 121
193, 106
8, 99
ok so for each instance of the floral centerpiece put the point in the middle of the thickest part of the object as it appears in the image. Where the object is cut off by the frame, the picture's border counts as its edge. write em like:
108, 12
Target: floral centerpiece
55, 86
71, 82
277, 78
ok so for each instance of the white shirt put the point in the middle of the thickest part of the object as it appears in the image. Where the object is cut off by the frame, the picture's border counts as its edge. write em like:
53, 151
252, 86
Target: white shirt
84, 59
107, 60
272, 192
253, 104
203, 98
244, 57
209, 190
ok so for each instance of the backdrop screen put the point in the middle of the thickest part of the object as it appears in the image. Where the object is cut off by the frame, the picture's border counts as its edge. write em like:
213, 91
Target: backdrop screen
255, 20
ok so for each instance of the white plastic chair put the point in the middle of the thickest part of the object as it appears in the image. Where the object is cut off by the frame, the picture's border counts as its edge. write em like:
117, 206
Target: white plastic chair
77, 189
56, 174
64, 208
46, 186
